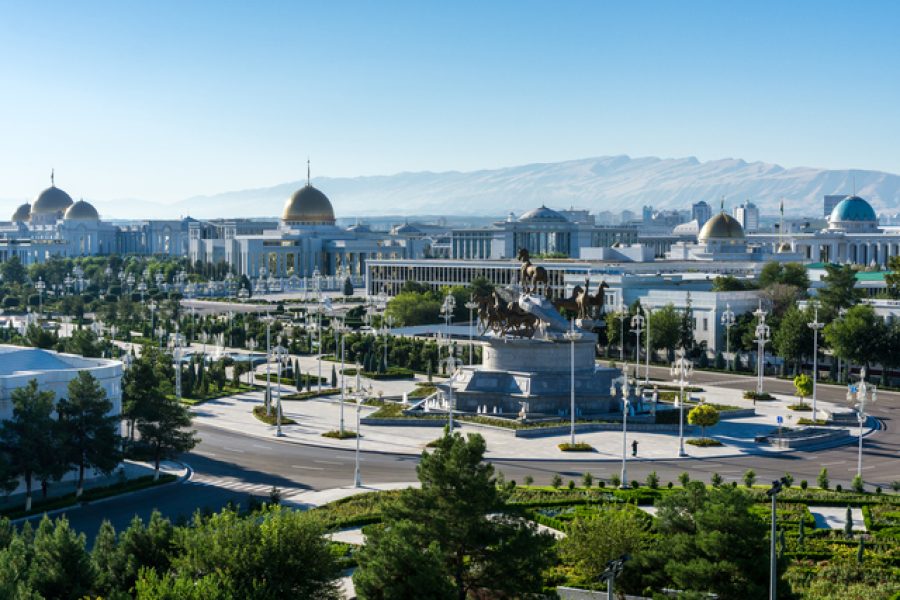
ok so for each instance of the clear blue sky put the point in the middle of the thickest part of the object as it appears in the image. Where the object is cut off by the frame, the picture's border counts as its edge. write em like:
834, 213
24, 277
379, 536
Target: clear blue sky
165, 99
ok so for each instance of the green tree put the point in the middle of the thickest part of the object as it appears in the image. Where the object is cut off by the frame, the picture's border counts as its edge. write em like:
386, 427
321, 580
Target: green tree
163, 433
414, 308
730, 283
29, 438
665, 329
14, 559
703, 415
591, 543
840, 290
145, 384
279, 554
12, 271
822, 479
61, 566
140, 546
892, 278
793, 274
859, 337
88, 431
749, 478
803, 384
461, 508
793, 339
152, 586
348, 287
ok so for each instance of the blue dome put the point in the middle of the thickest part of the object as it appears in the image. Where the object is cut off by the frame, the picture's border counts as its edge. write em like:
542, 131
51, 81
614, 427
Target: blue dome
542, 214
852, 208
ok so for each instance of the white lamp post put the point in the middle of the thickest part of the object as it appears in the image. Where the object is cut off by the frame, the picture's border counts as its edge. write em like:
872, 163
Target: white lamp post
728, 323
841, 314
40, 286
387, 323
573, 336
681, 371
773, 566
268, 320
622, 313
647, 351
637, 326
447, 309
142, 289
280, 353
626, 402
816, 326
451, 364
341, 329
471, 305
763, 333
251, 345
860, 395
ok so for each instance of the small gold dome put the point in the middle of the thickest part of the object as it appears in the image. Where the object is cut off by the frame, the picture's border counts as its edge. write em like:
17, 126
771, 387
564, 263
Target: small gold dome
721, 227
308, 206
81, 211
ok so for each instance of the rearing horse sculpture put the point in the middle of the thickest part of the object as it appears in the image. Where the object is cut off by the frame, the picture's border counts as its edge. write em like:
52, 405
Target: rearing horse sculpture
531, 275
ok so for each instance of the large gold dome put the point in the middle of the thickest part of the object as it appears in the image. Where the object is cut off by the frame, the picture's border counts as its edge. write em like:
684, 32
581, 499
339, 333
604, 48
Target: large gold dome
721, 227
51, 200
308, 206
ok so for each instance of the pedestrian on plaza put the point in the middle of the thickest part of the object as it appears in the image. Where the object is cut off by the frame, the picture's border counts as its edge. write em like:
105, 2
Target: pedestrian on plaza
634, 448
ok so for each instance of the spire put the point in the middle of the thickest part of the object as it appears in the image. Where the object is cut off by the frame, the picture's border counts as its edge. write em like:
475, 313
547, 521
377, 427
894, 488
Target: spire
52, 178
307, 171
722, 203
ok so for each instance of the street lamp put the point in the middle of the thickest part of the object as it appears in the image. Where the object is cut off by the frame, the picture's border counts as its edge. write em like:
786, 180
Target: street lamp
251, 345
614, 568
573, 336
268, 319
471, 305
447, 309
681, 372
622, 314
142, 289
763, 333
626, 393
816, 326
160, 332
637, 326
841, 314
728, 322
451, 364
387, 322
341, 329
176, 355
861, 394
280, 353
40, 286
772, 493
647, 350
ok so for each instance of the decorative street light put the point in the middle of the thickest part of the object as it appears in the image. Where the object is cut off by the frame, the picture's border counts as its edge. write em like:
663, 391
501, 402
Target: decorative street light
471, 305
816, 327
40, 286
573, 336
647, 350
341, 329
841, 314
860, 395
231, 329
280, 354
626, 402
637, 326
447, 309
268, 319
772, 493
243, 293
142, 289
728, 323
160, 332
176, 355
387, 322
613, 569
251, 345
130, 281
360, 396
622, 314
681, 372
763, 334
451, 364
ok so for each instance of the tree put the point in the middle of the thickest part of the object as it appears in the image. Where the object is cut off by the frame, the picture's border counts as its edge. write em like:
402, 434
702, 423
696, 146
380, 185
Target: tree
840, 290
12, 271
88, 431
163, 436
860, 336
348, 287
414, 308
592, 542
459, 517
61, 566
804, 385
703, 415
793, 339
730, 283
139, 547
822, 479
29, 439
892, 278
687, 327
144, 385
665, 329
793, 274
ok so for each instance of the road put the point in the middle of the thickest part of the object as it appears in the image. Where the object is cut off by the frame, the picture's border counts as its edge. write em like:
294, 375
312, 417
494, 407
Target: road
230, 467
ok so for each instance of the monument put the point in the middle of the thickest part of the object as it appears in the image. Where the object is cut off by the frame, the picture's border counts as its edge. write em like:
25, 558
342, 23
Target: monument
528, 354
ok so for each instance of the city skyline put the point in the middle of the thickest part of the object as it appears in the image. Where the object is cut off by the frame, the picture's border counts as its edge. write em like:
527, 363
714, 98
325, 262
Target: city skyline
165, 102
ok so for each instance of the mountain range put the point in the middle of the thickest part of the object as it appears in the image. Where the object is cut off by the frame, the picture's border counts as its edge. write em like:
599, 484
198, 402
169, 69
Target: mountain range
609, 183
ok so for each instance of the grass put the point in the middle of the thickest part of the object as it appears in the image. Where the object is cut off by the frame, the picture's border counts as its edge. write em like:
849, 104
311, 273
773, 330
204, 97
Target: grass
764, 397
338, 435
96, 493
805, 421
800, 407
228, 390
260, 413
703, 442
311, 394
388, 411
422, 390
433, 443
576, 447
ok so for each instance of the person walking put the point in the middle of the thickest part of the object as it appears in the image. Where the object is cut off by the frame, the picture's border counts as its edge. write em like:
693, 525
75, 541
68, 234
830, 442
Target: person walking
634, 445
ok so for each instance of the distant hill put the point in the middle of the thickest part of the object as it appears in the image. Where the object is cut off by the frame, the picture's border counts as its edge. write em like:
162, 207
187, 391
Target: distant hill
606, 183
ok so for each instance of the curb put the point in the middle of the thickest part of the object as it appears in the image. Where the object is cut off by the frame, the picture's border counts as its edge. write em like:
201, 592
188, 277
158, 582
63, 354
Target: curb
188, 473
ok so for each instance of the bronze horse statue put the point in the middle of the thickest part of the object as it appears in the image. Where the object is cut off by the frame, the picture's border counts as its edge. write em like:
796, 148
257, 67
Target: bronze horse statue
504, 318
531, 275
587, 303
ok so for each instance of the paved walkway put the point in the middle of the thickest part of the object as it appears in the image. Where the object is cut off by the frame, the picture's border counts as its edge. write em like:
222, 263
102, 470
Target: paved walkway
316, 416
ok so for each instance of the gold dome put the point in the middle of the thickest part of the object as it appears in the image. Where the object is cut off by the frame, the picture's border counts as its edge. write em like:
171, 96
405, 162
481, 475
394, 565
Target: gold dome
721, 227
308, 206
81, 211
22, 214
51, 200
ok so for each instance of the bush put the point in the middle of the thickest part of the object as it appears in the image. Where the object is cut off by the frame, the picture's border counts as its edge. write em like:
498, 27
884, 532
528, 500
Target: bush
652, 480
839, 488
635, 484
684, 478
823, 479
857, 485
788, 479
670, 485
601, 484
749, 477
571, 484
803, 484
703, 442
895, 486
587, 480
716, 480
615, 481
800, 407
576, 447
260, 413
338, 435
753, 395
556, 482
529, 480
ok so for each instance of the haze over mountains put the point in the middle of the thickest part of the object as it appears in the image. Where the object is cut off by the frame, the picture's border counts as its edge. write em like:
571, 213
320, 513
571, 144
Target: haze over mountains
605, 183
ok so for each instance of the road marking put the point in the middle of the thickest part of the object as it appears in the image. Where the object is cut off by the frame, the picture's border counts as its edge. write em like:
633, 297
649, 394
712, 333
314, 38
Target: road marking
263, 446
838, 462
327, 462
232, 450
308, 468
